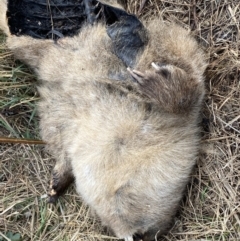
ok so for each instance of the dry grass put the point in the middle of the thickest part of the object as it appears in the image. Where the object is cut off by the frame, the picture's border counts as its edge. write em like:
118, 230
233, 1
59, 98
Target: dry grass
211, 207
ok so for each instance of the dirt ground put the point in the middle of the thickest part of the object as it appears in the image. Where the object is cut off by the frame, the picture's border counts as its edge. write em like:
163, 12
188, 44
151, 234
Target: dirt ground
210, 209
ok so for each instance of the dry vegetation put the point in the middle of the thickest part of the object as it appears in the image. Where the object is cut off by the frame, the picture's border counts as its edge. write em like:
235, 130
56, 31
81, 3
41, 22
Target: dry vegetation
211, 207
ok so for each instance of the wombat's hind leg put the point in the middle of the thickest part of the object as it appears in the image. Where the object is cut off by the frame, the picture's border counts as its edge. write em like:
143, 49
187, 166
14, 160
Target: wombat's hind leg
62, 177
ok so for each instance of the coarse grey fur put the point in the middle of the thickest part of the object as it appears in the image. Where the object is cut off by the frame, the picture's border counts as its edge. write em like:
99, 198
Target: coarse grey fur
130, 146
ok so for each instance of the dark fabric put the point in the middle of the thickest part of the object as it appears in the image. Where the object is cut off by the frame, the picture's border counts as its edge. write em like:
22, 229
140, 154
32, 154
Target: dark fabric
54, 19
46, 19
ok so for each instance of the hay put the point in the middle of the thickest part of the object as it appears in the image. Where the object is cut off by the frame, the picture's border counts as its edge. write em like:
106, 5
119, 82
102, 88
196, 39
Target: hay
211, 208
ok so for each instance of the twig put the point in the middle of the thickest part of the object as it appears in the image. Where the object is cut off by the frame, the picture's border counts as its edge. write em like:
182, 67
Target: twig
50, 11
1, 234
21, 141
195, 14
141, 6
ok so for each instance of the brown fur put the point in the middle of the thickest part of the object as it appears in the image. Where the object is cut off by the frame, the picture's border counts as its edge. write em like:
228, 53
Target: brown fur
131, 152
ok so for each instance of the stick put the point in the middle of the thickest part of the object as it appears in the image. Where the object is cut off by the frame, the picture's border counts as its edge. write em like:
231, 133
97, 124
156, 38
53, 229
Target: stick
21, 141
141, 6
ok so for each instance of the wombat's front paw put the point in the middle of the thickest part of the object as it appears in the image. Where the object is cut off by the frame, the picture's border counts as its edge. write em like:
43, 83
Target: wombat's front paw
169, 86
155, 83
143, 78
147, 84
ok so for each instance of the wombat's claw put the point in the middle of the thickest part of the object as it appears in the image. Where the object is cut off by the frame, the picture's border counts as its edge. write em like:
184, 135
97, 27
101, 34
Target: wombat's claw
90, 11
155, 66
52, 196
61, 179
137, 75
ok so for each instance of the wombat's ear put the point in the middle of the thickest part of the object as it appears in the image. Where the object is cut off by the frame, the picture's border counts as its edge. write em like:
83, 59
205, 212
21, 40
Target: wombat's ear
3, 17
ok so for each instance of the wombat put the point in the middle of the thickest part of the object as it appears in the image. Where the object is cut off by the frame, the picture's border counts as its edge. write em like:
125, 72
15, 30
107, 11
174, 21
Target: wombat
128, 136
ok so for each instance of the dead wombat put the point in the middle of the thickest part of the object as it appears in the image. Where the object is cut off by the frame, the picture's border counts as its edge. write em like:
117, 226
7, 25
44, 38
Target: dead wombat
129, 138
